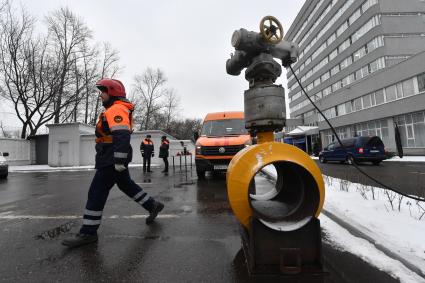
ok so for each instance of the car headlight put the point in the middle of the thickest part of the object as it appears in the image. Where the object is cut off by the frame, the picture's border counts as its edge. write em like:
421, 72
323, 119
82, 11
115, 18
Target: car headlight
198, 149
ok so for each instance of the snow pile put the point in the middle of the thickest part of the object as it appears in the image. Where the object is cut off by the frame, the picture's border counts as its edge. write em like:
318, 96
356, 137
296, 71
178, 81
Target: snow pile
407, 159
399, 227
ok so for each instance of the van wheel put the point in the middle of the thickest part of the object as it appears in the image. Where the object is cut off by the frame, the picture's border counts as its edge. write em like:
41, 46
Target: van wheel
200, 173
322, 159
351, 160
376, 163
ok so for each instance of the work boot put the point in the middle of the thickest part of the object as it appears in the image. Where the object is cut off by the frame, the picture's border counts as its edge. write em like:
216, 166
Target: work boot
80, 240
157, 207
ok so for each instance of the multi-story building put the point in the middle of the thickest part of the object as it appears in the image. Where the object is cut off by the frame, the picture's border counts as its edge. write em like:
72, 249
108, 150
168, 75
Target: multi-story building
363, 63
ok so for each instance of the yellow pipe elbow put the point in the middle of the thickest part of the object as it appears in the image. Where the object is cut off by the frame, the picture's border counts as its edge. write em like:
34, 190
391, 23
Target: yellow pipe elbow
248, 162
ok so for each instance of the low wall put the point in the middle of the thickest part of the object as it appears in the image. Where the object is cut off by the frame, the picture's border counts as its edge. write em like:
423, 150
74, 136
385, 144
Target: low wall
87, 149
21, 152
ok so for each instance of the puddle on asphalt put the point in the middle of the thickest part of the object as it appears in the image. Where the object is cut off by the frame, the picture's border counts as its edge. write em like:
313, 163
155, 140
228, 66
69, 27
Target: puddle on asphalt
55, 232
185, 183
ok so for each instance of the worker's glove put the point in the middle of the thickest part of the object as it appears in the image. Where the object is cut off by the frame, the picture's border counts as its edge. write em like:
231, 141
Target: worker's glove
143, 155
120, 167
152, 154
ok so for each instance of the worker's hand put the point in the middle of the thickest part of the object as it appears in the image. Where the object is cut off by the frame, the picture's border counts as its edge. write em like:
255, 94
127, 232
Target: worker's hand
152, 154
120, 167
143, 155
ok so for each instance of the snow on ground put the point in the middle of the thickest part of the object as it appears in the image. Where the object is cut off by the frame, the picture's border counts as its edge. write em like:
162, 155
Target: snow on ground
407, 159
342, 240
396, 158
399, 231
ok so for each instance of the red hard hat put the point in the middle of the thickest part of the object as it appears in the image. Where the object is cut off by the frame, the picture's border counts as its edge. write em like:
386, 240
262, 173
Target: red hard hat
111, 86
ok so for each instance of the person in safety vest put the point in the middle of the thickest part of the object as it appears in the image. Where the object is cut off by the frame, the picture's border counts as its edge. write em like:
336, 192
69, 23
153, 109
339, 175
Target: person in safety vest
163, 152
113, 154
147, 150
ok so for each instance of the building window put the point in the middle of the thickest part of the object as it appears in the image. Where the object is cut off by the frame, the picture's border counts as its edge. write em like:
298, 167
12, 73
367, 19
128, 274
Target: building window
358, 104
354, 16
412, 129
344, 45
333, 54
340, 110
336, 86
348, 80
327, 91
376, 65
408, 88
359, 53
379, 96
421, 82
367, 101
331, 39
342, 28
335, 70
346, 62
391, 93
348, 107
365, 71
325, 76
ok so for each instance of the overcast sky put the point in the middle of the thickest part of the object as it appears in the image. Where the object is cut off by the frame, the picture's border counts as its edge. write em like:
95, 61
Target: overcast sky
189, 40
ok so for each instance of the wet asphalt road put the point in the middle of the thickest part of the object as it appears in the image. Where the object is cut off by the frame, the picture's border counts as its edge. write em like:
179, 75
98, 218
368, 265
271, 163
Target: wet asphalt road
407, 177
198, 241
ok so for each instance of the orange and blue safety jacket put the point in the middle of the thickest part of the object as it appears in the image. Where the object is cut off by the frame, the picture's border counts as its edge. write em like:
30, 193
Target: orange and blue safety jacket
147, 148
113, 131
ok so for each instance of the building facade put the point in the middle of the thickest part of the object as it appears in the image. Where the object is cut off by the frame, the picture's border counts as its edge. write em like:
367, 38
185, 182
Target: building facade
362, 62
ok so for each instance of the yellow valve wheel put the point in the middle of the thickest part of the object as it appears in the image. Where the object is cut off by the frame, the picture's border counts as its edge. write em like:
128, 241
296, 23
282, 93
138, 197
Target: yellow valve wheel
271, 29
293, 163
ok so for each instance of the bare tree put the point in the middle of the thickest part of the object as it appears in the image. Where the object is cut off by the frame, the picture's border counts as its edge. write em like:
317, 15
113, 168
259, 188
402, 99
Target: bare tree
46, 77
171, 104
148, 90
109, 68
67, 35
17, 54
184, 129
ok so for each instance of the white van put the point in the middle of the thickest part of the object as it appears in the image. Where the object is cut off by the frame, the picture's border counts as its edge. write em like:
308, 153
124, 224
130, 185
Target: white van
4, 167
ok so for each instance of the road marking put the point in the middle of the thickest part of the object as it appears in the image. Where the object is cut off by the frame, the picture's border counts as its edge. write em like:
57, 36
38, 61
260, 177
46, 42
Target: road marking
32, 217
420, 173
147, 183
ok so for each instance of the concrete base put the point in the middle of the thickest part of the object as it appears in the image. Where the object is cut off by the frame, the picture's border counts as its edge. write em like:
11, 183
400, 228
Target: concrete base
294, 255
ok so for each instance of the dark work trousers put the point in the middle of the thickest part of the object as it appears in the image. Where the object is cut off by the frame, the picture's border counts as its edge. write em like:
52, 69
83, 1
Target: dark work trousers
146, 161
165, 163
104, 179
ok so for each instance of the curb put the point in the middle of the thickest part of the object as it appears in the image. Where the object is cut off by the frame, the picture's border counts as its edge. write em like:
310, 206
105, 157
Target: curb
358, 233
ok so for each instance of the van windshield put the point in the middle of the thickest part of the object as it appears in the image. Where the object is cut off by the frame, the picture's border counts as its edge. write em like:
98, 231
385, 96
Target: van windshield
231, 127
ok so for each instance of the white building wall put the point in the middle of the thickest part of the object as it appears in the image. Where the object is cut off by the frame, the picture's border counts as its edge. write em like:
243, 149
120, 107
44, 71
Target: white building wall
19, 151
74, 145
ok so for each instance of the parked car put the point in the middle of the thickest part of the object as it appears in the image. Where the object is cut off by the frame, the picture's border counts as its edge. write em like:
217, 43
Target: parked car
4, 167
358, 149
